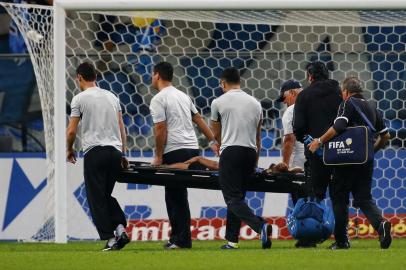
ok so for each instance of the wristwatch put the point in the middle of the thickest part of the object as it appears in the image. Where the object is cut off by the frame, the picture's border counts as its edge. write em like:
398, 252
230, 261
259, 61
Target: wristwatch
319, 141
212, 142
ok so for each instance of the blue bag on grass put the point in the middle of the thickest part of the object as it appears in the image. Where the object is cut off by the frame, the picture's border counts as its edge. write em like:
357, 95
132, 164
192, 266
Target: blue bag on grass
310, 221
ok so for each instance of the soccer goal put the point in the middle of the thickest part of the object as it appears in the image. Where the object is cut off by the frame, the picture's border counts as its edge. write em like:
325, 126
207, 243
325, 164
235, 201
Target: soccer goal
268, 41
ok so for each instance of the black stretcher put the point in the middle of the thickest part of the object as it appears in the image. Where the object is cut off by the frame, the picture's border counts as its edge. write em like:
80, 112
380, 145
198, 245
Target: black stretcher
144, 173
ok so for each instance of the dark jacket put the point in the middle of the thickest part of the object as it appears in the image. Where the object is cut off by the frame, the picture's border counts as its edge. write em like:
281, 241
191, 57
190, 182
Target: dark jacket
348, 115
316, 108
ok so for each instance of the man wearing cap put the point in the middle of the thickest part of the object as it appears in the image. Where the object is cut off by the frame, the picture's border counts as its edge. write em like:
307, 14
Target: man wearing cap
292, 150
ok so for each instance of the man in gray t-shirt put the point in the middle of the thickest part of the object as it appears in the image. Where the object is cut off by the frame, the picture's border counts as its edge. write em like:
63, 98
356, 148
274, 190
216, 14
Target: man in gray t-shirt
236, 123
173, 114
103, 141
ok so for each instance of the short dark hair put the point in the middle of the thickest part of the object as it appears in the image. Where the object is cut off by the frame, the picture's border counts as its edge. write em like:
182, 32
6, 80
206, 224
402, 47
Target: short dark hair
352, 85
165, 71
87, 71
317, 70
231, 75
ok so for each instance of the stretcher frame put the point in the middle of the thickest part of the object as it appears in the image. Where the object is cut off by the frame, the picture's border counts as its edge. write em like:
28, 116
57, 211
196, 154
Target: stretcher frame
143, 173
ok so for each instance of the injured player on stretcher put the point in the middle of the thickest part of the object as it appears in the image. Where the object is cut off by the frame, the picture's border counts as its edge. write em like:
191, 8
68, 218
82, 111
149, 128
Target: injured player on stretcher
201, 164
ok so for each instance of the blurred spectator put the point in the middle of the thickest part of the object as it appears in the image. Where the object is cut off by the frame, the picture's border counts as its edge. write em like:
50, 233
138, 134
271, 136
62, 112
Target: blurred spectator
17, 82
126, 73
16, 40
4, 29
139, 33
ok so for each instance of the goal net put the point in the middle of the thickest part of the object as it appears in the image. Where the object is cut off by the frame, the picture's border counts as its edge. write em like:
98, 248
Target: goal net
267, 46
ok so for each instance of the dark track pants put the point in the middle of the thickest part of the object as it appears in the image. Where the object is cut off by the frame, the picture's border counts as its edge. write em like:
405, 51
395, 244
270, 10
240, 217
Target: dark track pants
177, 204
320, 176
237, 163
101, 167
356, 179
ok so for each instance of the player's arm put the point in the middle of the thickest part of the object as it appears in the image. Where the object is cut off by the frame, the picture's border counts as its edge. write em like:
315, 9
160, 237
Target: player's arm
123, 134
180, 166
198, 120
160, 132
384, 135
258, 140
211, 164
289, 139
287, 149
215, 125
317, 143
71, 132
300, 125
158, 113
208, 163
73, 128
345, 111
216, 129
213, 143
381, 141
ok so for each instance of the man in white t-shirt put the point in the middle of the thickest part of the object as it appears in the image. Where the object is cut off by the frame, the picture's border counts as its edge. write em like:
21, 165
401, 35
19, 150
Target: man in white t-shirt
292, 149
236, 120
173, 114
104, 145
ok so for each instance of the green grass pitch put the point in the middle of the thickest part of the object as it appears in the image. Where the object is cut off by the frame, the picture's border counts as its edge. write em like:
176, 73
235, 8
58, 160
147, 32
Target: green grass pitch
364, 254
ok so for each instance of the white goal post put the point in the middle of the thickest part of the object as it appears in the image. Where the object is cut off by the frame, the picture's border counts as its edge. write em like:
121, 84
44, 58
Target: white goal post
146, 5
62, 6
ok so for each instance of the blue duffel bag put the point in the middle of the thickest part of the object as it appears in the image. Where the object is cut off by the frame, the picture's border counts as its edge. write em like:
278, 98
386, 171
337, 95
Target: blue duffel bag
311, 221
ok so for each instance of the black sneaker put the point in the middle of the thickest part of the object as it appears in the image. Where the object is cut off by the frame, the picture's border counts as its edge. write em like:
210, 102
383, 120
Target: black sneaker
338, 245
228, 246
385, 237
170, 245
114, 247
305, 244
123, 240
266, 234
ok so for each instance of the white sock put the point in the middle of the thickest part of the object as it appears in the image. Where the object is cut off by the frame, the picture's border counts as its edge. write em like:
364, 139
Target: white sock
111, 241
120, 229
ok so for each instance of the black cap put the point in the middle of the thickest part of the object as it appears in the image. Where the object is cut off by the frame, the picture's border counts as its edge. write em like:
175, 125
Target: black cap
286, 86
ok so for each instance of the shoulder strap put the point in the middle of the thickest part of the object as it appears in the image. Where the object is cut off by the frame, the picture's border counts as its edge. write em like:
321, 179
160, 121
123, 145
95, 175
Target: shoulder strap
362, 115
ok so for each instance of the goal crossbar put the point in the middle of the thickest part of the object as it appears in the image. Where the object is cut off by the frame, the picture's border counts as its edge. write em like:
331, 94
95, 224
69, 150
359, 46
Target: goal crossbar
230, 5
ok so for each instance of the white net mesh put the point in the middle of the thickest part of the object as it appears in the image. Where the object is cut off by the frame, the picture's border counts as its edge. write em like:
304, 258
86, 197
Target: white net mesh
36, 25
267, 47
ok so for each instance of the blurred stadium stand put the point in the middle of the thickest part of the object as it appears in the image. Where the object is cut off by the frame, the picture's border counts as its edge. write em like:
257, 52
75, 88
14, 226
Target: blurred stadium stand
21, 127
122, 55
